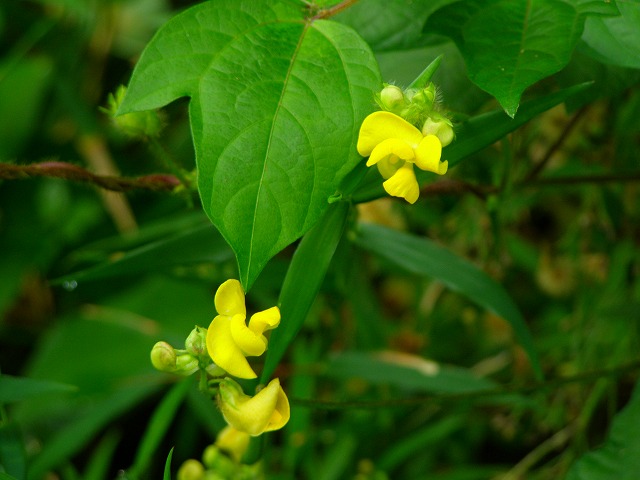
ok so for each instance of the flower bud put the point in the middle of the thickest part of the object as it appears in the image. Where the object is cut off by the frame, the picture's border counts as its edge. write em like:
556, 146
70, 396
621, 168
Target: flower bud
196, 343
135, 124
167, 359
267, 410
391, 99
217, 461
439, 126
234, 442
163, 357
191, 470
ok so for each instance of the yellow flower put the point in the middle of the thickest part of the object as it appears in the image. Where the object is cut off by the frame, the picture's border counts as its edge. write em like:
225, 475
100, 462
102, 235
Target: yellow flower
229, 339
395, 146
266, 411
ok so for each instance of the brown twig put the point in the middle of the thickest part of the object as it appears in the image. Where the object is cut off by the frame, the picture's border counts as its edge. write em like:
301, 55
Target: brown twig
331, 11
535, 171
68, 171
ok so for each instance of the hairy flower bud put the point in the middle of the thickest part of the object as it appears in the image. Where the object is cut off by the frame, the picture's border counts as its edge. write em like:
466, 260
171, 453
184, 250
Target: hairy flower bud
439, 126
391, 99
196, 343
163, 357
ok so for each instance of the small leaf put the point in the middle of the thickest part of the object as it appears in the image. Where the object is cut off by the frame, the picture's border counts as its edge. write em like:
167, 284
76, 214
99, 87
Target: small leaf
303, 280
167, 466
424, 257
276, 104
619, 457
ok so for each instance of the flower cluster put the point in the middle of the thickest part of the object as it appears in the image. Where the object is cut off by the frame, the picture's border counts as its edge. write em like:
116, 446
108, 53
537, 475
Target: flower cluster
220, 351
394, 144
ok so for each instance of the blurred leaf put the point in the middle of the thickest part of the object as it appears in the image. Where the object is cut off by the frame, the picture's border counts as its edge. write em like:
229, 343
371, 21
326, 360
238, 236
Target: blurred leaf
15, 389
475, 134
160, 422
338, 459
615, 40
408, 372
619, 457
6, 476
287, 121
426, 258
393, 25
597, 7
508, 46
100, 461
22, 88
414, 444
167, 466
200, 244
75, 435
302, 283
13, 457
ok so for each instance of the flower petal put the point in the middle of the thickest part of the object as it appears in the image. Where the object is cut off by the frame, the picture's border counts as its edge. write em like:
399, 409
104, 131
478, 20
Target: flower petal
229, 299
265, 320
403, 184
223, 349
389, 166
380, 126
282, 412
248, 341
391, 146
428, 155
233, 442
248, 414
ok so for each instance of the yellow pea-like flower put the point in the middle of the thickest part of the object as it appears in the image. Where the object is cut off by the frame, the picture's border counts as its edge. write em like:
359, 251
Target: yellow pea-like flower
266, 411
395, 146
229, 339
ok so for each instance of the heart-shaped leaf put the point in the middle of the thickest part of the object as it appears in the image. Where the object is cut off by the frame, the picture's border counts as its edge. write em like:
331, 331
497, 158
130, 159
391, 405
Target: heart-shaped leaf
277, 99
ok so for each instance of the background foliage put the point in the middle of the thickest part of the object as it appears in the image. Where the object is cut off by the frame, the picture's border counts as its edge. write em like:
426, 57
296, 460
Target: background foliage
490, 331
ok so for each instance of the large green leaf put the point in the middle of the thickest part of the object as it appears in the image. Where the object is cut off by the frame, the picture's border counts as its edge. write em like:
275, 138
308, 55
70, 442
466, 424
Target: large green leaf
619, 457
424, 257
508, 46
276, 103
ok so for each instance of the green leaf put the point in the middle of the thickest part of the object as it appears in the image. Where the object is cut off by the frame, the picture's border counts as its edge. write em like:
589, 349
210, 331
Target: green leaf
426, 258
15, 389
475, 134
198, 244
615, 40
619, 457
99, 463
303, 280
158, 426
407, 372
167, 466
389, 26
508, 46
74, 436
276, 104
13, 456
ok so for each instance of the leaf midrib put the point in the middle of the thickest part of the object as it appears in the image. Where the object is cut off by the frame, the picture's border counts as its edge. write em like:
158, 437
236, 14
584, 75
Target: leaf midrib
266, 156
